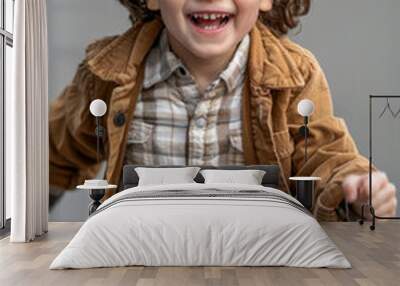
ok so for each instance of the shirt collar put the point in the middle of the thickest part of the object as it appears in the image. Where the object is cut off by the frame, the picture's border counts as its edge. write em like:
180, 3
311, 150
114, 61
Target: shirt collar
233, 75
162, 63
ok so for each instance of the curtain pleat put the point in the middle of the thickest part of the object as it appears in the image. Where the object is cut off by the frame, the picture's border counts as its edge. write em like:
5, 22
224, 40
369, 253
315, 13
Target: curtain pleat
29, 158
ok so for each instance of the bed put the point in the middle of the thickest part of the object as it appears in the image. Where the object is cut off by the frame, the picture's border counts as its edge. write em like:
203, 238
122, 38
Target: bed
201, 224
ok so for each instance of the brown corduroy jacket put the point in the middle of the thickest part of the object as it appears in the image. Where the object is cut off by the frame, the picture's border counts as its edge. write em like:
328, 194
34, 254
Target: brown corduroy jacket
280, 74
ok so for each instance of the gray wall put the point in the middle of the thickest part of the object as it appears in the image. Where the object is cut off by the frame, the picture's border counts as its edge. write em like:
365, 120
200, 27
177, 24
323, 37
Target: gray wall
72, 25
356, 41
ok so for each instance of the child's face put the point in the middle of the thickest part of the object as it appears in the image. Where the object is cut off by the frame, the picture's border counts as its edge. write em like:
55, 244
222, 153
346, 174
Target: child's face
209, 28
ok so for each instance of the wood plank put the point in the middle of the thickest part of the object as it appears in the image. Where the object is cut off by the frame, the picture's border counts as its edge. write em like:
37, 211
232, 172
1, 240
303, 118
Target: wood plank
375, 257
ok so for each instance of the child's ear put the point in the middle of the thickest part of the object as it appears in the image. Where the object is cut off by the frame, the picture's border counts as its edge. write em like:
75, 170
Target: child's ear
153, 5
265, 5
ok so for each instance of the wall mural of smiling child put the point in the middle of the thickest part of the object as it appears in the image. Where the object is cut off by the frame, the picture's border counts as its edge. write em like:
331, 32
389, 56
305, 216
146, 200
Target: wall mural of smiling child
215, 82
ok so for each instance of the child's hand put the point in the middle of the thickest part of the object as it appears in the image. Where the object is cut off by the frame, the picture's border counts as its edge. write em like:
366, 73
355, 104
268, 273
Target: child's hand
384, 201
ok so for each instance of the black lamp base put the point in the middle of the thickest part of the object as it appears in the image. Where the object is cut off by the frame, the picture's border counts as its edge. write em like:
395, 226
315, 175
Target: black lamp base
304, 193
96, 195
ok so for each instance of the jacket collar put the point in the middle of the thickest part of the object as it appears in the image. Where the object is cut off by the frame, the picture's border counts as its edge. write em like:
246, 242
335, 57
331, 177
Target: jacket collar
270, 64
119, 60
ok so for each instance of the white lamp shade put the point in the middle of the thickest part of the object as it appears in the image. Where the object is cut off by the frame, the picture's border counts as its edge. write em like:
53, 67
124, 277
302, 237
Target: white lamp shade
98, 107
305, 107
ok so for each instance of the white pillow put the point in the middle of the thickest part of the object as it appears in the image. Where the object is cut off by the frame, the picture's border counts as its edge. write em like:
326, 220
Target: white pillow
166, 176
248, 177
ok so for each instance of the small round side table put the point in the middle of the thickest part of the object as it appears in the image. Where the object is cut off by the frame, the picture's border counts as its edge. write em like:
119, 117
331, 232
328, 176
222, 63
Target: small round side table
305, 187
96, 193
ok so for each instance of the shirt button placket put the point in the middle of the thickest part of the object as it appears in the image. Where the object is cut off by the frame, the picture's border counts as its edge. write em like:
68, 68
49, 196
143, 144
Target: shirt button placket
196, 133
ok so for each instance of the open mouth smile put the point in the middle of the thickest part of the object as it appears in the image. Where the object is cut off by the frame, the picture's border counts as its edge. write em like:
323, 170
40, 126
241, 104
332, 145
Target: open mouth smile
210, 22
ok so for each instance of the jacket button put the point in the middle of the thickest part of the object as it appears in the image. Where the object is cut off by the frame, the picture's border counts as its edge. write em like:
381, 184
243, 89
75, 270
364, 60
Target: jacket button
119, 119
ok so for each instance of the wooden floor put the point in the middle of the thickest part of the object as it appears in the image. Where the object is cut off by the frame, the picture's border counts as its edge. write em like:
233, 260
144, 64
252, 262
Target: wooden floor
375, 257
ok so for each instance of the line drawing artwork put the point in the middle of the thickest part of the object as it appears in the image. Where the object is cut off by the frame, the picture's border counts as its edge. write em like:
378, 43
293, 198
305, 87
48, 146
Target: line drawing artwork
388, 108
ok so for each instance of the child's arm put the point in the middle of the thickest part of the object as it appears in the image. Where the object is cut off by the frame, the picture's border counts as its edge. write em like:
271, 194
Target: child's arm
72, 132
333, 154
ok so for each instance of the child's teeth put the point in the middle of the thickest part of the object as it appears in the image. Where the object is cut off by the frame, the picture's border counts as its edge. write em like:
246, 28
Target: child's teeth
212, 16
210, 27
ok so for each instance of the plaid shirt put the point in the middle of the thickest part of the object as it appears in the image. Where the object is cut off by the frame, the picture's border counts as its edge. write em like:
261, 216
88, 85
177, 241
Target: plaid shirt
174, 124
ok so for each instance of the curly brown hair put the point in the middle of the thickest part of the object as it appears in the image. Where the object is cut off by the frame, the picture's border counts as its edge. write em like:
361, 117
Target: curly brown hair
283, 16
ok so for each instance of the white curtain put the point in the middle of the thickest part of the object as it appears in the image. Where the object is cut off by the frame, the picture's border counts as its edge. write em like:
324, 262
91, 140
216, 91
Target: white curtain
27, 124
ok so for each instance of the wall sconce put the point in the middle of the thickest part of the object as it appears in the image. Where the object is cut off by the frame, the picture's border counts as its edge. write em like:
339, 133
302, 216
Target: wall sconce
305, 108
98, 108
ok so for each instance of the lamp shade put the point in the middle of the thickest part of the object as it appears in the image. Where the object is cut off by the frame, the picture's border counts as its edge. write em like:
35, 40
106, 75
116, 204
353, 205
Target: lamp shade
305, 107
98, 107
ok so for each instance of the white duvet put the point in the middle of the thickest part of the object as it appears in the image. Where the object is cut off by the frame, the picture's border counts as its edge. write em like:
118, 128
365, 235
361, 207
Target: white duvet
202, 231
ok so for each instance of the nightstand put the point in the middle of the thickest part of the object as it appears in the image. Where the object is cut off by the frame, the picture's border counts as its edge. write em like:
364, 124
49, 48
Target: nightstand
305, 187
97, 190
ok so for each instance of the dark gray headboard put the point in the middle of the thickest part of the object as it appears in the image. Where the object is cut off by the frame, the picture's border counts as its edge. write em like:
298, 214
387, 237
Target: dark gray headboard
130, 178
